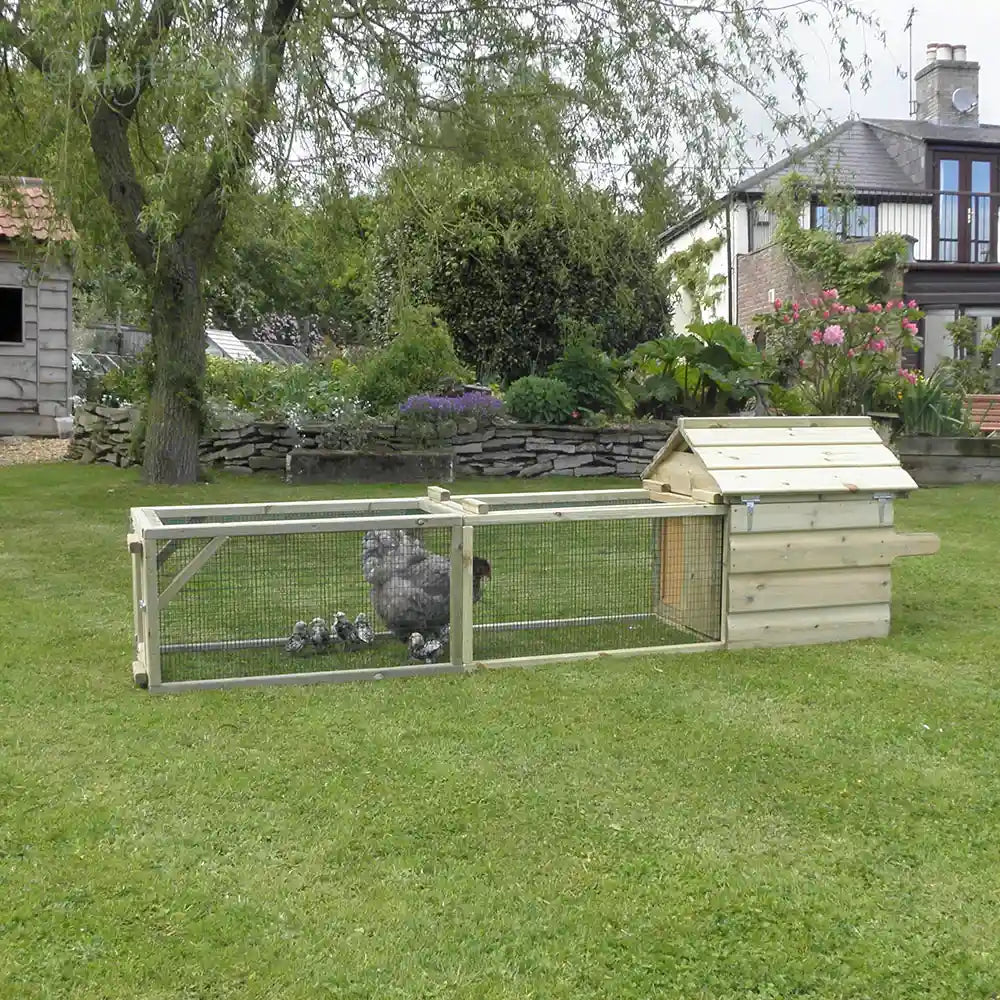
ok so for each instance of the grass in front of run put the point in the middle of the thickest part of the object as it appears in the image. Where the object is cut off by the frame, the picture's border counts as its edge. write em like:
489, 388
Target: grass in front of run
814, 823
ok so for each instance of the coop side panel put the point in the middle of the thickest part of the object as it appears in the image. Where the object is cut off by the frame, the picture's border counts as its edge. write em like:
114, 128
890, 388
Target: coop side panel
809, 572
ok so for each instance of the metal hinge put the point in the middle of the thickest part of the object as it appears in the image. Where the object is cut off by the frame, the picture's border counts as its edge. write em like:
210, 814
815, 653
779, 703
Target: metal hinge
883, 499
750, 503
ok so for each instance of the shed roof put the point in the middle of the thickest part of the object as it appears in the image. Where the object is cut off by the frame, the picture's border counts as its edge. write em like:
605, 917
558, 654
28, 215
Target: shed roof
775, 456
28, 209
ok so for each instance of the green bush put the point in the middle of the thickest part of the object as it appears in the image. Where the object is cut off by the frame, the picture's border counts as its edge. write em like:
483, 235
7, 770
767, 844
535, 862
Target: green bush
420, 359
591, 374
292, 393
537, 400
707, 371
507, 255
934, 406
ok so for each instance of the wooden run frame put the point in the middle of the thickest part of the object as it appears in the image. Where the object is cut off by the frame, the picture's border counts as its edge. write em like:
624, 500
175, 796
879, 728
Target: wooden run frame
151, 527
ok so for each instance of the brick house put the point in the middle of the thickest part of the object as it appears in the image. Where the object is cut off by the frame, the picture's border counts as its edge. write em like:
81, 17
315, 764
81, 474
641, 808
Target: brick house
933, 178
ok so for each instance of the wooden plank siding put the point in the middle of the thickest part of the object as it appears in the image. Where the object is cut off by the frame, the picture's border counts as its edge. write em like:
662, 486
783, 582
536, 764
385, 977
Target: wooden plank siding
36, 375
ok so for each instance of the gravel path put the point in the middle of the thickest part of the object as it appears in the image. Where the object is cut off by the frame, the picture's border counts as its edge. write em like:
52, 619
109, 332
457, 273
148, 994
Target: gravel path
21, 450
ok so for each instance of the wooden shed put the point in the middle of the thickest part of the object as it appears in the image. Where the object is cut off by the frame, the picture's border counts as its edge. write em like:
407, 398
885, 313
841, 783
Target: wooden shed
809, 513
36, 312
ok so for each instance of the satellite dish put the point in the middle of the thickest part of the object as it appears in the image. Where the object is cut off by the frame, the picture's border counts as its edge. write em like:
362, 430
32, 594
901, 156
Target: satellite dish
963, 100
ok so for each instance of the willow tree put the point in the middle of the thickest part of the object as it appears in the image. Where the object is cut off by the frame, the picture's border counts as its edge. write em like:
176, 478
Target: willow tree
178, 104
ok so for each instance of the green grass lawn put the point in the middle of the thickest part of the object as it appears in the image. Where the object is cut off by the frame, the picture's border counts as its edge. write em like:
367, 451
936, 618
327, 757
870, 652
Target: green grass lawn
819, 822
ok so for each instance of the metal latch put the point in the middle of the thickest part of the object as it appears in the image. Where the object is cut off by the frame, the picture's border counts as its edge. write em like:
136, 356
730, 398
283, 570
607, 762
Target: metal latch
883, 500
750, 503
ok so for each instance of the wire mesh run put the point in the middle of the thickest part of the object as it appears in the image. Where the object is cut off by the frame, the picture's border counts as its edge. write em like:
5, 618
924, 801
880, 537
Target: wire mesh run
236, 615
586, 586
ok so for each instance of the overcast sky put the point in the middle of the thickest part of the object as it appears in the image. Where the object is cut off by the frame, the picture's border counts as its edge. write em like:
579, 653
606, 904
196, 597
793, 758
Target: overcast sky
973, 23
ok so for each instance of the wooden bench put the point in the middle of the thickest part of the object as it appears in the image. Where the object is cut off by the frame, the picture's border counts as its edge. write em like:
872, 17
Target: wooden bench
984, 412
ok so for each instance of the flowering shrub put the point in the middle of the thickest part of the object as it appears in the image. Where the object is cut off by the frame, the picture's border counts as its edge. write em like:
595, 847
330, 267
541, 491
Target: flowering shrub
841, 355
482, 405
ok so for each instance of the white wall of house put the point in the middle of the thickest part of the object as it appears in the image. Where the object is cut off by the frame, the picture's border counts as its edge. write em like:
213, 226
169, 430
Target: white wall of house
937, 341
723, 260
908, 219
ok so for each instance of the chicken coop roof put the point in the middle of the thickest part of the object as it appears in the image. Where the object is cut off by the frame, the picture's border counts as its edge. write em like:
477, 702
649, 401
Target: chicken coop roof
774, 456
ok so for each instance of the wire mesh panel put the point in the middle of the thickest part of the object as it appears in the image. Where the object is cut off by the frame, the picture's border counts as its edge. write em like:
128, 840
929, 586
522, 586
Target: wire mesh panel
259, 605
593, 585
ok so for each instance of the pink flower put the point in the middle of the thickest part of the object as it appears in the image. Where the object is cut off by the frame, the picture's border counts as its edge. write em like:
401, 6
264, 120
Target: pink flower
826, 314
878, 329
875, 307
575, 414
831, 293
912, 304
833, 335
816, 337
878, 346
802, 362
814, 302
909, 326
851, 310
795, 307
786, 319
850, 352
777, 303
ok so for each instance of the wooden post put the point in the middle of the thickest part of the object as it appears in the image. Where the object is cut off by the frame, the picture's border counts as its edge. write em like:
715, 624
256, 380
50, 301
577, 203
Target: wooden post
140, 673
456, 594
151, 599
468, 535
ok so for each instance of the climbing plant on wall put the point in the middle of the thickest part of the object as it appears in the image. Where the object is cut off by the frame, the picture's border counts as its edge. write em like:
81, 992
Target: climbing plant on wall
862, 273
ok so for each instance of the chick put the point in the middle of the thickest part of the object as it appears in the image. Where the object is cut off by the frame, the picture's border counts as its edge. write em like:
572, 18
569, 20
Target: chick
423, 650
299, 638
319, 634
345, 630
364, 630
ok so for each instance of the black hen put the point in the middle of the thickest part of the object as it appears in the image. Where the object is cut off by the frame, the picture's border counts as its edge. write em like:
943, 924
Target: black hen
411, 587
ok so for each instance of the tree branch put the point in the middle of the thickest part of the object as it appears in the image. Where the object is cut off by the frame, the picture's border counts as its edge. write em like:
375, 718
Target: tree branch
109, 124
229, 165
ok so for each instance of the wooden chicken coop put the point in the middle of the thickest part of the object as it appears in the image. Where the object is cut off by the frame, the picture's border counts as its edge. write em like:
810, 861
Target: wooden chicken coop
746, 532
810, 540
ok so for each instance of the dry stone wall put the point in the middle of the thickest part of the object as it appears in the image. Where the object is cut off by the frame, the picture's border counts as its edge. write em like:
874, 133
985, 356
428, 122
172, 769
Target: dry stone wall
104, 434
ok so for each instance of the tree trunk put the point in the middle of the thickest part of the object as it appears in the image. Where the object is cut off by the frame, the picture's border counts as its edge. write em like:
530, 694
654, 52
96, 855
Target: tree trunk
175, 413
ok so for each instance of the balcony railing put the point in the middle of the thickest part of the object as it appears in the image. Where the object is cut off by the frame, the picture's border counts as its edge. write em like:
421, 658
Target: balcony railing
947, 227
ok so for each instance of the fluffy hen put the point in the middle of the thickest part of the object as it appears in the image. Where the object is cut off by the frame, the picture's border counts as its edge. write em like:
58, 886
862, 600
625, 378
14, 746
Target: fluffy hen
411, 587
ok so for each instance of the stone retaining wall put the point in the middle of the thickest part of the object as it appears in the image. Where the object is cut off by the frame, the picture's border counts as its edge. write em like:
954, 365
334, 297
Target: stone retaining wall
104, 434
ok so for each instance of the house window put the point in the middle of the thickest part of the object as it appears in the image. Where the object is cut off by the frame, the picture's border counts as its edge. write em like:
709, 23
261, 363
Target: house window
848, 222
11, 326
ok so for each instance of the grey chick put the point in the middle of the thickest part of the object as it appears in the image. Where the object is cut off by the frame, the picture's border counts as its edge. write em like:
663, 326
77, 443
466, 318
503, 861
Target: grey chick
366, 634
345, 631
444, 634
299, 638
423, 650
319, 634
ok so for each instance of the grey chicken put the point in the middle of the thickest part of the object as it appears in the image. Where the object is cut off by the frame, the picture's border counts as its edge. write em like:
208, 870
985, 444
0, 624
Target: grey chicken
424, 650
411, 587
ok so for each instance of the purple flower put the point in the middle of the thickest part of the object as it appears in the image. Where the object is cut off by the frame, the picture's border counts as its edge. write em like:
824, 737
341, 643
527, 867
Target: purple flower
470, 404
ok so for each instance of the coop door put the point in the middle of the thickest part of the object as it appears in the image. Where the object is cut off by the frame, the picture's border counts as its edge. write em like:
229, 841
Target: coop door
689, 574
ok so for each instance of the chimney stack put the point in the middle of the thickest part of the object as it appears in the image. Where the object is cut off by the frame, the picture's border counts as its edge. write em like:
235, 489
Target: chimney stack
947, 88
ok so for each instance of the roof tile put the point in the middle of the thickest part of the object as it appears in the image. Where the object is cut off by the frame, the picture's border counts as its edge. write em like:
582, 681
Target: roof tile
27, 209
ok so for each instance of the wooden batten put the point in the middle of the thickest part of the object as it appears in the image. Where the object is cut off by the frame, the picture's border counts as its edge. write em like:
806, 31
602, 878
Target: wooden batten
794, 627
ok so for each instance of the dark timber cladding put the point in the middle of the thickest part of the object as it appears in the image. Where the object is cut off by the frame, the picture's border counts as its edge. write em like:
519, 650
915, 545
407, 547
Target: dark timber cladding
952, 284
